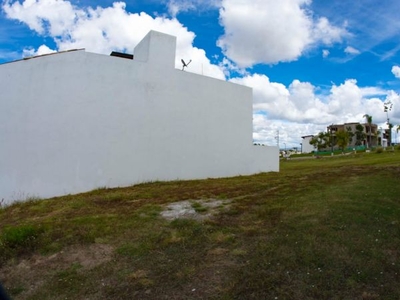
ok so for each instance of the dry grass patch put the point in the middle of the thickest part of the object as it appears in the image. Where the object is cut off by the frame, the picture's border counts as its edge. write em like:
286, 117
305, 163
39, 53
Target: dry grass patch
33, 272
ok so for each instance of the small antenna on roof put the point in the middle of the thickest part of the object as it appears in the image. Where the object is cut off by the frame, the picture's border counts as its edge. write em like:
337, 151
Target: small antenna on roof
185, 65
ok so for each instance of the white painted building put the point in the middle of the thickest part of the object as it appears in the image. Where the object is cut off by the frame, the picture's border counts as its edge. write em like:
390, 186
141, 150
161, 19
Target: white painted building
75, 121
306, 147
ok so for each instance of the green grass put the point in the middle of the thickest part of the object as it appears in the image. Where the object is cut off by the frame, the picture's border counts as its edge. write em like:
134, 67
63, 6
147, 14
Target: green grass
324, 228
199, 208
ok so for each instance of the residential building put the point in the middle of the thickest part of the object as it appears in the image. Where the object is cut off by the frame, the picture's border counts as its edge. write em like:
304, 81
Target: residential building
386, 137
356, 140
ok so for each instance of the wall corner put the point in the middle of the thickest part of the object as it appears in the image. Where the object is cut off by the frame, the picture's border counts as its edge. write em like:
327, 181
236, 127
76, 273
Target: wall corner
157, 49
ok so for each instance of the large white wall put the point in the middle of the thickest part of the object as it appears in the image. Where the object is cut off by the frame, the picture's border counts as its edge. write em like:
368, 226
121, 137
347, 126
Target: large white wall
75, 121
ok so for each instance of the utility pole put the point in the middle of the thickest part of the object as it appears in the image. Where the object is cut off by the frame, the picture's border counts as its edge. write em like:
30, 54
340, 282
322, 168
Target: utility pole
331, 140
388, 107
277, 138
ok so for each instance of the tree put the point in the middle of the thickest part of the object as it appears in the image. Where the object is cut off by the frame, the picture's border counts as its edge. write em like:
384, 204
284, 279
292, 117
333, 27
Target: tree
368, 118
351, 134
342, 139
320, 141
360, 135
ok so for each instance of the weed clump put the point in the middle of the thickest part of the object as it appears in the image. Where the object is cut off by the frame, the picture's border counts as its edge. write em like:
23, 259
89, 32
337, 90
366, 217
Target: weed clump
379, 150
199, 208
17, 240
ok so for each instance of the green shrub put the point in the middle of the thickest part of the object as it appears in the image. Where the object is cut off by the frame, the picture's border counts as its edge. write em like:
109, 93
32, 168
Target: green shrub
379, 150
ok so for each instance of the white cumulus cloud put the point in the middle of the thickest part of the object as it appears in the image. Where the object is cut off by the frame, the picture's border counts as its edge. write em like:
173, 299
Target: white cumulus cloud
396, 71
177, 6
351, 50
44, 15
325, 53
296, 103
300, 109
43, 49
269, 31
324, 32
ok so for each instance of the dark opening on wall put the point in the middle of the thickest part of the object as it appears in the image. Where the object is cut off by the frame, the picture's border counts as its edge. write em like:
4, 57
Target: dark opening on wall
122, 55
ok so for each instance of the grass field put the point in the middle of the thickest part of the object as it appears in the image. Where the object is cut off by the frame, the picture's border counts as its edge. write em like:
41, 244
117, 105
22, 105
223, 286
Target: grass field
320, 229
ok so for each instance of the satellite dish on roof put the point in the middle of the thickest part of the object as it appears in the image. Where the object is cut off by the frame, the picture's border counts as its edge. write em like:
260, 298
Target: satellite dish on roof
184, 64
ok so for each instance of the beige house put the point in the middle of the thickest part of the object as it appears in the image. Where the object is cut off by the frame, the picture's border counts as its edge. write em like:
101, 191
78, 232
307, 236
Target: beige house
372, 139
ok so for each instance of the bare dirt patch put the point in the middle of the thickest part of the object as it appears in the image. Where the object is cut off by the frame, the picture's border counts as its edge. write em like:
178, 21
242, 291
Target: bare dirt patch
33, 270
194, 209
87, 256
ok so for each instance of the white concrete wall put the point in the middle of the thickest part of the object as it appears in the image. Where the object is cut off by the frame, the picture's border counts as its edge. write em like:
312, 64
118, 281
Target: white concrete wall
75, 121
306, 147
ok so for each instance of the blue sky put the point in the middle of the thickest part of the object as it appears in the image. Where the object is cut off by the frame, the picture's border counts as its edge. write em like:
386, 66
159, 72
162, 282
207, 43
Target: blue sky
310, 63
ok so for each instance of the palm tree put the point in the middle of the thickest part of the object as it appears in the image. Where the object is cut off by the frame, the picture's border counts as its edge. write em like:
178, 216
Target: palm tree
368, 118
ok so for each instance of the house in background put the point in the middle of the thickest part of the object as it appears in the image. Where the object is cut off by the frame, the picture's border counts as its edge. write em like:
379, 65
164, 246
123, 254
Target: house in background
366, 129
385, 137
75, 121
378, 137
